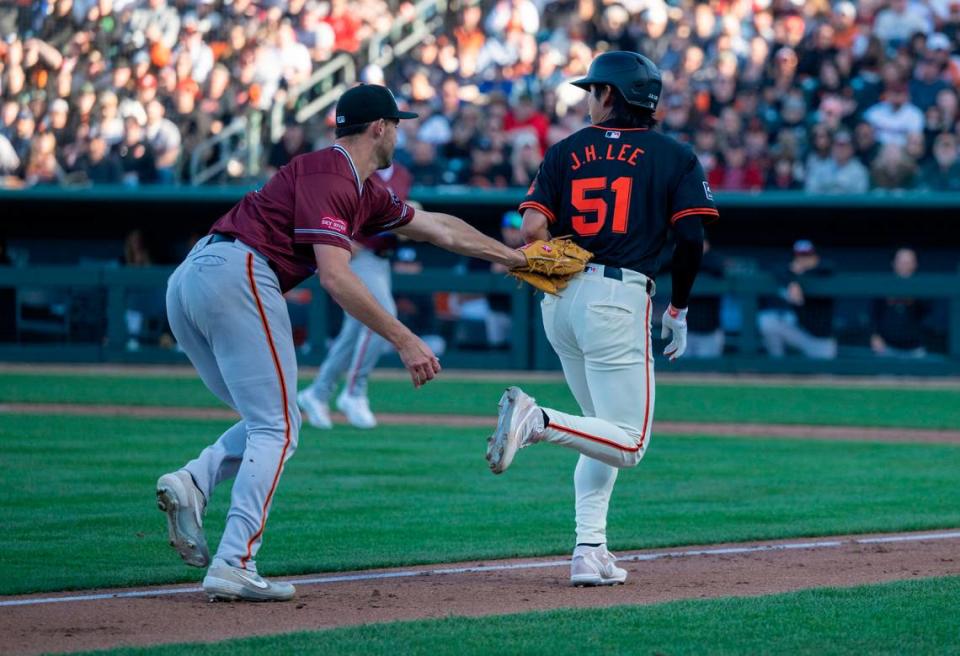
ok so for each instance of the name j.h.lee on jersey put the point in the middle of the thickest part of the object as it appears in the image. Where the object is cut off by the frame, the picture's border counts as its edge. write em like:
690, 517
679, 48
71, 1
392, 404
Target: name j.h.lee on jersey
615, 152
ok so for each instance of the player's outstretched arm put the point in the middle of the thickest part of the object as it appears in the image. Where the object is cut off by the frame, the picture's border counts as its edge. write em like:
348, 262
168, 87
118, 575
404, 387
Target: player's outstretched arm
336, 276
455, 235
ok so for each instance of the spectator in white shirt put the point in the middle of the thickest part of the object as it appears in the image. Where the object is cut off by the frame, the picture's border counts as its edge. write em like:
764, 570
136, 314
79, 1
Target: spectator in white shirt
844, 174
894, 118
901, 20
192, 43
164, 137
294, 56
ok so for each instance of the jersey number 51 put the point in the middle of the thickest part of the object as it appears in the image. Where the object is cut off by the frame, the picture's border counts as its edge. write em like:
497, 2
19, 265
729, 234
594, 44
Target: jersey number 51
594, 208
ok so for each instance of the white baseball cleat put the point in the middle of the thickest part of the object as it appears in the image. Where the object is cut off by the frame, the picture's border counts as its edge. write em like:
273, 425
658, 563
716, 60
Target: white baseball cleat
519, 424
178, 496
357, 410
317, 411
225, 582
595, 566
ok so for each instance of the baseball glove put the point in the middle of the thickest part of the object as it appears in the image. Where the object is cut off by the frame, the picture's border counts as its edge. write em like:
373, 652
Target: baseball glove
551, 264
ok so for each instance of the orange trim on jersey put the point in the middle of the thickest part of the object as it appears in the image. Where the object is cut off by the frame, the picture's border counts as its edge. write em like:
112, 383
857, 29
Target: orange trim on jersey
593, 438
286, 412
534, 205
706, 211
604, 127
646, 401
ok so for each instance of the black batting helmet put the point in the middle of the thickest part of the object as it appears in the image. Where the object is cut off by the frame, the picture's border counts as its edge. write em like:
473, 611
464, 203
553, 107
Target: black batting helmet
633, 75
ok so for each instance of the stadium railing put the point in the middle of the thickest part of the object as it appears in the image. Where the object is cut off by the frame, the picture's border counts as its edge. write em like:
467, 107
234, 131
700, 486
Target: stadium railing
104, 294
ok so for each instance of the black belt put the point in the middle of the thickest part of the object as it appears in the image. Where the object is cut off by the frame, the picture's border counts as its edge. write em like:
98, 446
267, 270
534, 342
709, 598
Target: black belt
218, 237
616, 273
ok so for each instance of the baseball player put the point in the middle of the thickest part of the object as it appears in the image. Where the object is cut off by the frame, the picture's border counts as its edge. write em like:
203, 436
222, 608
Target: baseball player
357, 348
620, 189
226, 308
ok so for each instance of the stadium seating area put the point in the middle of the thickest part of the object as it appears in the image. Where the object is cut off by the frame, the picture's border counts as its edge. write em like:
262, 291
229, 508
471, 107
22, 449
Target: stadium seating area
771, 94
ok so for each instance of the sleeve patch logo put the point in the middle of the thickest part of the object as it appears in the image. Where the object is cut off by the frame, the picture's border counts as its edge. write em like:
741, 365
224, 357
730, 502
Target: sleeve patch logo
337, 225
706, 190
612, 134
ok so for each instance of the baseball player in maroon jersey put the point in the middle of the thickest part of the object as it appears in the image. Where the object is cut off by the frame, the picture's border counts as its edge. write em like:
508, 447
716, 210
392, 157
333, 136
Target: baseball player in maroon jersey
226, 308
620, 189
356, 349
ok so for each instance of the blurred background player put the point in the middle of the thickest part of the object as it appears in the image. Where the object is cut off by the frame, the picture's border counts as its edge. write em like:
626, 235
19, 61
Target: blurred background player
898, 321
796, 319
356, 349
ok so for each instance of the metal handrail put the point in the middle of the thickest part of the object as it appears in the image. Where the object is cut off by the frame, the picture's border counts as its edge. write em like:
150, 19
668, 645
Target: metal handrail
329, 80
246, 131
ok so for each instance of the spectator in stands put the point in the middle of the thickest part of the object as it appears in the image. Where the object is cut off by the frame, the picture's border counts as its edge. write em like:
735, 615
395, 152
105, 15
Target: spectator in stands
783, 175
424, 167
164, 139
943, 172
899, 21
898, 322
8, 118
927, 82
23, 138
42, 166
525, 159
136, 155
99, 164
893, 168
894, 118
155, 23
736, 172
109, 123
9, 160
843, 173
291, 144
796, 319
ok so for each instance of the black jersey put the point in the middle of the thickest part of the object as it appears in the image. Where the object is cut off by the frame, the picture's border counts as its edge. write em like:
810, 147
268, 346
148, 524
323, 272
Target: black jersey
618, 191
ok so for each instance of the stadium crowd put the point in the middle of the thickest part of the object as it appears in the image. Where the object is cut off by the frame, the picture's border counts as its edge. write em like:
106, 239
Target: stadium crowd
771, 94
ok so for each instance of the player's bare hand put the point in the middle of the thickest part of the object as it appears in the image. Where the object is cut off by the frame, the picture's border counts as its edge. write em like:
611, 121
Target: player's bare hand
419, 360
675, 322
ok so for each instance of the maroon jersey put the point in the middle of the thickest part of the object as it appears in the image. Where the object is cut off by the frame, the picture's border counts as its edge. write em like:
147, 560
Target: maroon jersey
399, 180
315, 199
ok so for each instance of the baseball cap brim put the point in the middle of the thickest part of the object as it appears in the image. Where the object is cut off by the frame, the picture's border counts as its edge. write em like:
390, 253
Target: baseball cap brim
404, 115
585, 82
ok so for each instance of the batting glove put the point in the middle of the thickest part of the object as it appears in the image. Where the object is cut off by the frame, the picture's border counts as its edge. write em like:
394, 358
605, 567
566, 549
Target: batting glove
674, 321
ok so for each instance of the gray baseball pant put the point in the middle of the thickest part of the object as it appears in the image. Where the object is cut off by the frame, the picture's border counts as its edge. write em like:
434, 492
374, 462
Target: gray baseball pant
356, 349
227, 312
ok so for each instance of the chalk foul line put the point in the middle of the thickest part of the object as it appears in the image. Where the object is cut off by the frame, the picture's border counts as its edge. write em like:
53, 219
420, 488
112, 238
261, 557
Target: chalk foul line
504, 567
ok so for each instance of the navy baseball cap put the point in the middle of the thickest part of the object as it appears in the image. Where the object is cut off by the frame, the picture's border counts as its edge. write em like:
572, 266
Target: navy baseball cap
366, 103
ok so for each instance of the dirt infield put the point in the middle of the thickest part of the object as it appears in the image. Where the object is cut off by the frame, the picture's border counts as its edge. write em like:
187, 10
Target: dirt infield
807, 432
181, 613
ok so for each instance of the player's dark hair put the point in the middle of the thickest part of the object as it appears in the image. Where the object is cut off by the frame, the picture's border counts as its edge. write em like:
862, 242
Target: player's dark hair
350, 130
624, 114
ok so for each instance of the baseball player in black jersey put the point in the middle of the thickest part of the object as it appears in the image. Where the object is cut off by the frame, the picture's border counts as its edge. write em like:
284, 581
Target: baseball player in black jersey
619, 188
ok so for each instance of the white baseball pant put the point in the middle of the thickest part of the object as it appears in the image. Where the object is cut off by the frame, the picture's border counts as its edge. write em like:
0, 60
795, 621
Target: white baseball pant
600, 329
228, 315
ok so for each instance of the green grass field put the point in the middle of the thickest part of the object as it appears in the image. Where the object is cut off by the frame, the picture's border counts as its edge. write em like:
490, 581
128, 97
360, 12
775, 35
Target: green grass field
80, 489
911, 617
757, 403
